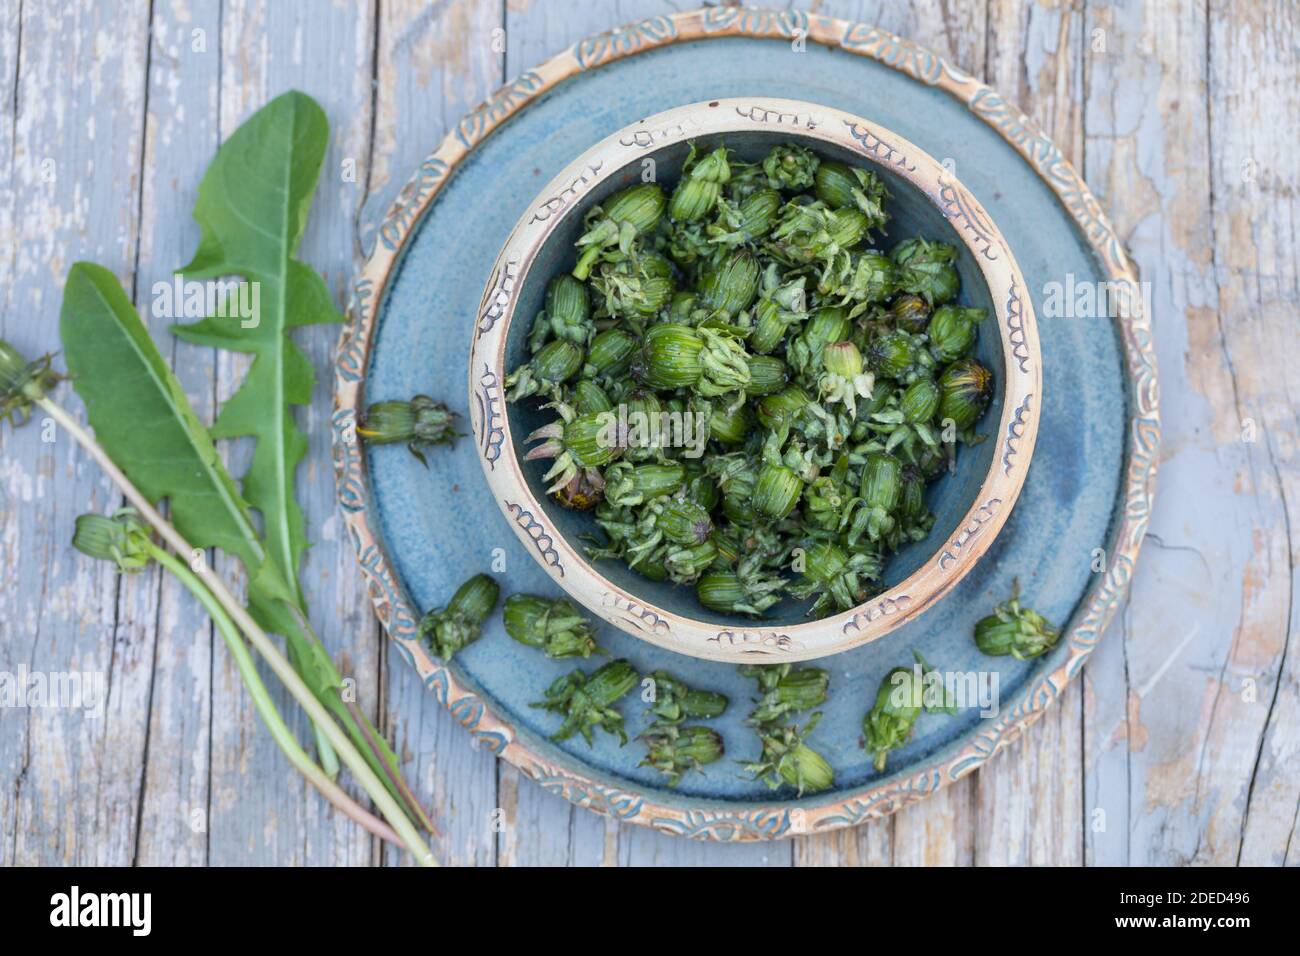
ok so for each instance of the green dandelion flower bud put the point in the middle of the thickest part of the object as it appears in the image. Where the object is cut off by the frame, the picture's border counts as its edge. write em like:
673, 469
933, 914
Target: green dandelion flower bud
871, 280
843, 359
770, 326
652, 569
554, 364
421, 423
782, 408
636, 287
587, 702
553, 626
840, 186
22, 383
732, 286
823, 561
727, 593
684, 565
834, 184
674, 750
900, 701
592, 440
631, 296
671, 357
628, 485
912, 504
749, 221
882, 481
460, 623
952, 331
640, 206
683, 307
824, 502
835, 577
788, 759
588, 397
767, 374
701, 185
828, 324
920, 401
910, 313
965, 388
625, 215
779, 308
577, 442
739, 508
893, 354
684, 522
122, 539
611, 352
844, 380
674, 701
731, 425
702, 488
1012, 629
645, 437
724, 364
926, 269
805, 769
777, 491
786, 690
790, 167
811, 232
692, 199
611, 682
888, 724
847, 227
567, 314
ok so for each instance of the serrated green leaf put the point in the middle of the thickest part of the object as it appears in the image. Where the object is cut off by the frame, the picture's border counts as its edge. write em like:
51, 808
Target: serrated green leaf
145, 423
143, 419
251, 210
252, 207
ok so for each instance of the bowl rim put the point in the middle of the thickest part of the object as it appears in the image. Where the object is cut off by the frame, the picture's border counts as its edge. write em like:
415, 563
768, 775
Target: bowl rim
952, 558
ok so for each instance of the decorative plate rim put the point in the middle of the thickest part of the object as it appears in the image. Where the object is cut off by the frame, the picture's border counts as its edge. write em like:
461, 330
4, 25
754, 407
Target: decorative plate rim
713, 819
951, 559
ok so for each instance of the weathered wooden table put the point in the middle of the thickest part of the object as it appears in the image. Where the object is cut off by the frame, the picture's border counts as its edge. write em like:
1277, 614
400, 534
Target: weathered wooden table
1181, 744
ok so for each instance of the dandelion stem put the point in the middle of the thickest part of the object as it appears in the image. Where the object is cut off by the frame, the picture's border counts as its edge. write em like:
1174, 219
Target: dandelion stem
410, 837
280, 731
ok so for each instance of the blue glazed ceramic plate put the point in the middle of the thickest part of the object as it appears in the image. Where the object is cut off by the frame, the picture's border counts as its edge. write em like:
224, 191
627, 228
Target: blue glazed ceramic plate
420, 532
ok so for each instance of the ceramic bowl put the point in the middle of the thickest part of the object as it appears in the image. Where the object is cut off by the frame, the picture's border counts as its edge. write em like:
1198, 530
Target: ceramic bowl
971, 505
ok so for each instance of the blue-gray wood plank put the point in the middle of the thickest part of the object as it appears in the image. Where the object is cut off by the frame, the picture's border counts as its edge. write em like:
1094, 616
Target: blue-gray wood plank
1181, 743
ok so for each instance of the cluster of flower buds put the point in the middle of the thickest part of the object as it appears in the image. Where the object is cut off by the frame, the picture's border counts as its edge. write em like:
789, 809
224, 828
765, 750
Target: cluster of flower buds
750, 392
787, 757
674, 747
587, 701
